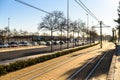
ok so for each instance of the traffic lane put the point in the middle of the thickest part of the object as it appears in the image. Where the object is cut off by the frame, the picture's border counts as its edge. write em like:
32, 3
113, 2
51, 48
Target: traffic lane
21, 53
28, 52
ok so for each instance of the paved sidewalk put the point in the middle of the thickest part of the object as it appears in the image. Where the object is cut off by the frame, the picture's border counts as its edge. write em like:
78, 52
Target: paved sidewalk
114, 72
117, 68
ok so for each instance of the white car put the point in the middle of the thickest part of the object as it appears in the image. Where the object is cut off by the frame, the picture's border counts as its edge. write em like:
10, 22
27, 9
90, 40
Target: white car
24, 43
4, 45
42, 43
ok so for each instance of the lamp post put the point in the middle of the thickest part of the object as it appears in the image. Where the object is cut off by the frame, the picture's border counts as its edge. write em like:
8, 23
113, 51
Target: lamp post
114, 33
8, 22
67, 23
100, 34
8, 28
87, 25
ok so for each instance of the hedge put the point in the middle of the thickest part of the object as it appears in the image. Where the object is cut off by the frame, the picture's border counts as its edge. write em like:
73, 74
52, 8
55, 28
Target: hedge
4, 69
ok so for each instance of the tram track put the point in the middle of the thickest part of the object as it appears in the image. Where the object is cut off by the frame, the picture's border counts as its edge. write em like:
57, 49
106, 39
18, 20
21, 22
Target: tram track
53, 65
88, 71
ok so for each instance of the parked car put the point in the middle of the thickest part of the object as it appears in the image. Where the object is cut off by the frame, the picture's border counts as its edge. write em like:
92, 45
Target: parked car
61, 42
48, 43
35, 43
13, 44
4, 45
42, 43
24, 43
55, 42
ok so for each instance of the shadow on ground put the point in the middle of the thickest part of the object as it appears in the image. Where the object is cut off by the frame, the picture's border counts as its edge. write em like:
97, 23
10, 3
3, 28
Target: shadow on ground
103, 69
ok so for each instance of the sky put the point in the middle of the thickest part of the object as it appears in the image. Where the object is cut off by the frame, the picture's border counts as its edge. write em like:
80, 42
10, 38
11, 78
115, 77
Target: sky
26, 18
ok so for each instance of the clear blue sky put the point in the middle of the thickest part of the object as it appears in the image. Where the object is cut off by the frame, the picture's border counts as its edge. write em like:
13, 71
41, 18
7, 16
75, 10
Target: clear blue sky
27, 18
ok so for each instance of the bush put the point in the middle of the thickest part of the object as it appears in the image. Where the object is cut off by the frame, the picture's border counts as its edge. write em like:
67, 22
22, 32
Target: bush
3, 70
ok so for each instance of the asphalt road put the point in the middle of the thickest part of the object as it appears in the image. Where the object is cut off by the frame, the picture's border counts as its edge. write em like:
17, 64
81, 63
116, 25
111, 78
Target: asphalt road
8, 55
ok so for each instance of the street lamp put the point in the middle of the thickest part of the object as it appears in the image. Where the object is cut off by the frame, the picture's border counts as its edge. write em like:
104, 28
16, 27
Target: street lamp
67, 23
101, 23
87, 25
8, 29
8, 22
114, 33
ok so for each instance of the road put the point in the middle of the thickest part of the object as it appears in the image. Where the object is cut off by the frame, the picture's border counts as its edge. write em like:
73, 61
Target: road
59, 68
17, 53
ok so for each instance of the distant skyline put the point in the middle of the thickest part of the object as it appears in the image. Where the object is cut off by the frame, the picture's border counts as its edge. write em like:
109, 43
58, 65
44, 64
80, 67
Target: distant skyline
27, 18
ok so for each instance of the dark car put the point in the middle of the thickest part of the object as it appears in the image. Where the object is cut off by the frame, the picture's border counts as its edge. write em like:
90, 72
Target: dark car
48, 43
13, 44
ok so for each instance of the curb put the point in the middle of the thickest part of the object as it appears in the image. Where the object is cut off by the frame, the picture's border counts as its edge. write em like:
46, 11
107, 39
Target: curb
112, 68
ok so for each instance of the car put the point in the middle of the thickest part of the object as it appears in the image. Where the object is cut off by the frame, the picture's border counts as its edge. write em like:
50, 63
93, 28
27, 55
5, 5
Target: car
13, 44
35, 43
61, 42
48, 43
55, 42
42, 43
24, 43
5, 45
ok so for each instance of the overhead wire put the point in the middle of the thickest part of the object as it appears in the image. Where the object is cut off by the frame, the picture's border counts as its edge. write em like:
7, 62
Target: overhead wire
33, 7
81, 4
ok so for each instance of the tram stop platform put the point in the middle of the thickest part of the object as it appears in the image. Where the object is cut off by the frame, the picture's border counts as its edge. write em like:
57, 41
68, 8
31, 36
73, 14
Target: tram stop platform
114, 71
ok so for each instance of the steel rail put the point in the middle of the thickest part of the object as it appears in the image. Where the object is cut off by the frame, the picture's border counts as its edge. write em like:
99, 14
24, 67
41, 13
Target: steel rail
91, 72
22, 75
80, 69
54, 67
57, 66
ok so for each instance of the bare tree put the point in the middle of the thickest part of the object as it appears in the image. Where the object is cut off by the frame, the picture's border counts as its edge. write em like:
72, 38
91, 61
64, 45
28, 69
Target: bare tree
61, 25
80, 27
50, 22
73, 28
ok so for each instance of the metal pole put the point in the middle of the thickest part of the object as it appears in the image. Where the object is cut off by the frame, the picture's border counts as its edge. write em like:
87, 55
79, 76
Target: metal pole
67, 23
113, 33
100, 34
115, 36
87, 27
8, 29
8, 22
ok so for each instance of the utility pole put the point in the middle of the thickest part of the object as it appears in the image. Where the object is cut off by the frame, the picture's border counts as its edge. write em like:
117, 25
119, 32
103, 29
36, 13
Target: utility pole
114, 35
8, 29
67, 23
8, 23
105, 26
100, 34
87, 27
